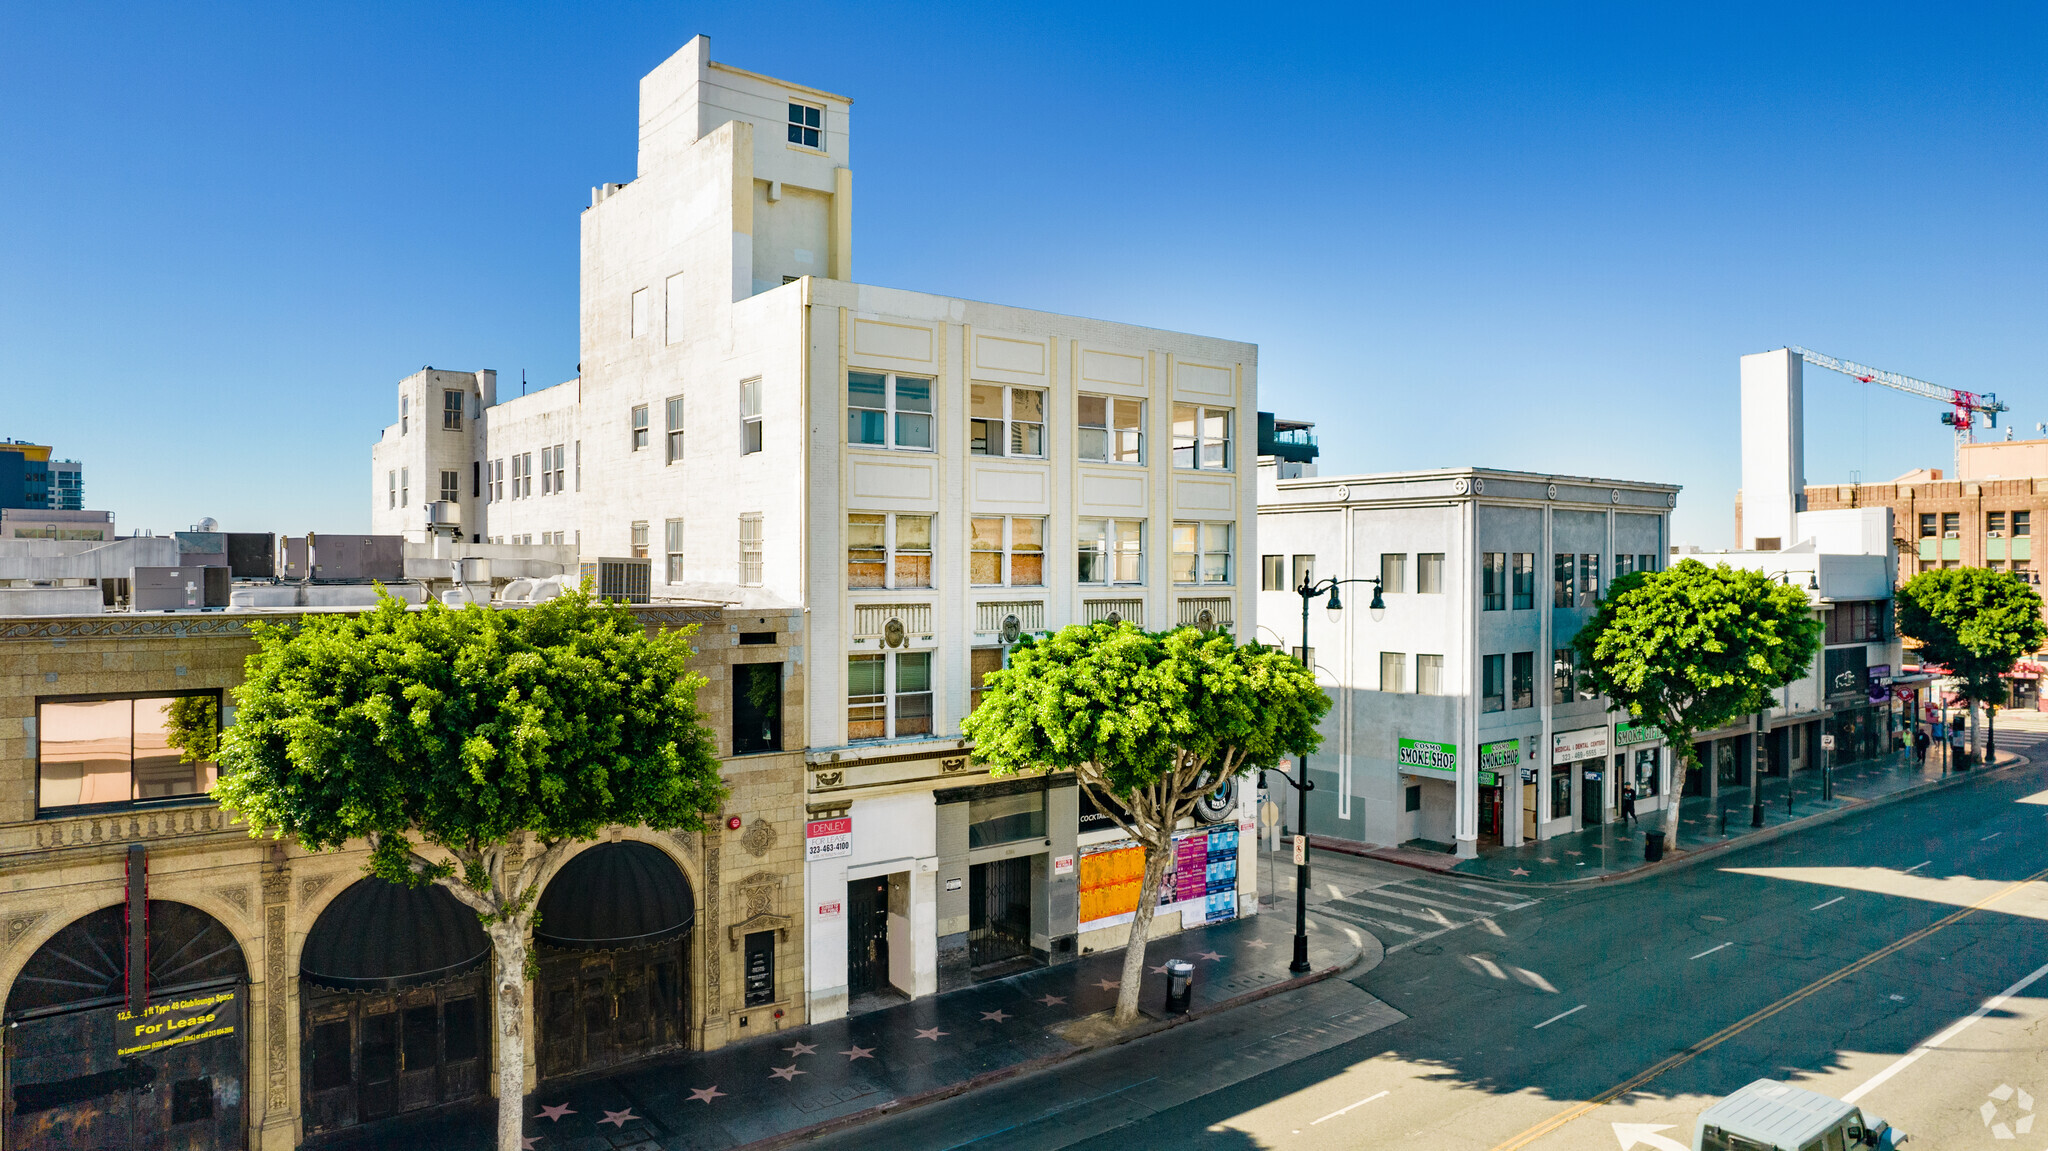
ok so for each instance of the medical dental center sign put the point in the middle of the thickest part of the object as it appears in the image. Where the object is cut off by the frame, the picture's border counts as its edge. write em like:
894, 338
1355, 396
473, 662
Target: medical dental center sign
1422, 755
828, 838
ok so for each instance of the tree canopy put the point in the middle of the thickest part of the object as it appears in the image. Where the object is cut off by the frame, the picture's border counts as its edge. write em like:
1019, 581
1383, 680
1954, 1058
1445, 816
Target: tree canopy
1974, 622
1148, 722
1693, 647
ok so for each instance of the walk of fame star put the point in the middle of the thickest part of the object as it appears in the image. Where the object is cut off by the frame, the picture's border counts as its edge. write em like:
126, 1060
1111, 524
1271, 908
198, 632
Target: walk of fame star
931, 1033
786, 1074
556, 1112
858, 1052
705, 1094
619, 1118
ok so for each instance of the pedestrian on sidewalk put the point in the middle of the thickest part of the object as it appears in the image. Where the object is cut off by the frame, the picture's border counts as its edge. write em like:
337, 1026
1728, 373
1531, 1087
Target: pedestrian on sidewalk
1920, 742
1628, 804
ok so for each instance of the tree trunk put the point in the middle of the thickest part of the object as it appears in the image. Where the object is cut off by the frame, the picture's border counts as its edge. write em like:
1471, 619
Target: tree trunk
1976, 731
1685, 752
1158, 857
508, 948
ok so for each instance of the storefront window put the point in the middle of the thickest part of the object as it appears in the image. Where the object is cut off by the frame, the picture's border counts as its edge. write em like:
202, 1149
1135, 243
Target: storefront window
1005, 819
127, 750
1646, 772
1560, 791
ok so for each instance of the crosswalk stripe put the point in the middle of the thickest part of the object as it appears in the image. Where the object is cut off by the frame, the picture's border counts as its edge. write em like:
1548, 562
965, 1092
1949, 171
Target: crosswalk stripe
1396, 893
1433, 921
1365, 920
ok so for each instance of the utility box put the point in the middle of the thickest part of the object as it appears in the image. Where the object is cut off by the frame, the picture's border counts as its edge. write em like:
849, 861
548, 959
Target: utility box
628, 580
179, 589
344, 558
252, 555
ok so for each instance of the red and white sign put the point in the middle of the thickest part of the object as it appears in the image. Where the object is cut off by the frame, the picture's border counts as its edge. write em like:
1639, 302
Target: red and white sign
830, 910
1063, 865
828, 838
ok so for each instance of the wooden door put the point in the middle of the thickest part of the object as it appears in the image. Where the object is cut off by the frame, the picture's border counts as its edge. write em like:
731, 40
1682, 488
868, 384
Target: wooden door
867, 935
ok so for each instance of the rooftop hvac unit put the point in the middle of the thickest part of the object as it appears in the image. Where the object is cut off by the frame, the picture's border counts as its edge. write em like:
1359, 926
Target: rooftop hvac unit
473, 569
252, 555
202, 549
185, 588
619, 578
344, 558
444, 514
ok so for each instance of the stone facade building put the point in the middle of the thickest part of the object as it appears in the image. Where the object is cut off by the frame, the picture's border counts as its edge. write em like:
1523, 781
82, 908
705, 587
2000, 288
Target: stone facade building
324, 1023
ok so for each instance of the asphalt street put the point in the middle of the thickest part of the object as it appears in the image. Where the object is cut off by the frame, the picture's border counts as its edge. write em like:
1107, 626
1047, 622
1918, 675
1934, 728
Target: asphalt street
1885, 957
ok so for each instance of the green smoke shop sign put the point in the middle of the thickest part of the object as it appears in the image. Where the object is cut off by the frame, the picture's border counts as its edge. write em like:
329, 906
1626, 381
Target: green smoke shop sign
1420, 755
1500, 756
1629, 734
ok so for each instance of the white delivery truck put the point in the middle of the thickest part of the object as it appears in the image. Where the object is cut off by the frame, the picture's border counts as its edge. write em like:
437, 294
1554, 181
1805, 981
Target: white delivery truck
1771, 1116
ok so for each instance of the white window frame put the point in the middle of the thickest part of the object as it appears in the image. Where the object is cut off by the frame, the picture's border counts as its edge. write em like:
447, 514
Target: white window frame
893, 413
637, 539
806, 125
391, 478
405, 487
672, 309
1105, 545
672, 546
1202, 535
1001, 438
404, 415
891, 550
451, 487
750, 549
672, 435
1199, 442
893, 697
639, 434
451, 414
642, 309
750, 416
1006, 567
547, 471
559, 489
1112, 442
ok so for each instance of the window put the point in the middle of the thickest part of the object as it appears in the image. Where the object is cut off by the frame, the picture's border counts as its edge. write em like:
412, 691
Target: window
674, 442
1493, 581
1393, 572
1005, 819
1562, 585
872, 711
873, 538
672, 541
1522, 688
1560, 791
1006, 550
451, 411
2022, 523
639, 426
1112, 430
1623, 564
1927, 525
579, 465
1201, 553
643, 313
498, 479
451, 487
1860, 621
756, 707
1429, 573
1951, 523
1111, 551
1304, 570
404, 415
522, 476
1562, 675
639, 539
981, 663
476, 479
405, 487
1647, 562
1589, 578
1393, 671
750, 549
1493, 694
547, 471
118, 751
805, 124
1201, 437
558, 469
872, 398
1429, 675
1994, 521
391, 495
750, 416
672, 307
1273, 573
1525, 580
991, 409
1411, 798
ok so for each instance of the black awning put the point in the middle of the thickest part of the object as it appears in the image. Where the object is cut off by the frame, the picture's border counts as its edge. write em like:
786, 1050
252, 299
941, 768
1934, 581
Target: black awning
613, 896
380, 936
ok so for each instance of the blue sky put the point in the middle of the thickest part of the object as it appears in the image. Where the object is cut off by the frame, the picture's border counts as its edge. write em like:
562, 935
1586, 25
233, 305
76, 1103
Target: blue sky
1510, 235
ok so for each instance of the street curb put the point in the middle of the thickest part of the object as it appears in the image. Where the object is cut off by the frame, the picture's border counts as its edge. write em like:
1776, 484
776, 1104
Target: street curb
1000, 1074
1674, 860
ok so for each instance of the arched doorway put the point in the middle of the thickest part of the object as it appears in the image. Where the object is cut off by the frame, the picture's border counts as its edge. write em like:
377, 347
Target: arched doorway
84, 1072
613, 926
393, 1005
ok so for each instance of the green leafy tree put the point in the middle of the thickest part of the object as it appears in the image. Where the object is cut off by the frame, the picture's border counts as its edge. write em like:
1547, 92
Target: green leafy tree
1975, 622
1148, 722
1693, 647
447, 738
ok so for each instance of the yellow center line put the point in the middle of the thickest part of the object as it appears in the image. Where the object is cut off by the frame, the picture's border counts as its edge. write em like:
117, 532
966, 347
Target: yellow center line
1733, 1029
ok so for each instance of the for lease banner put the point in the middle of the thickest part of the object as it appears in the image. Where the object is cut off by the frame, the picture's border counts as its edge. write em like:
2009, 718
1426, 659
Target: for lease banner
826, 838
186, 1019
1423, 755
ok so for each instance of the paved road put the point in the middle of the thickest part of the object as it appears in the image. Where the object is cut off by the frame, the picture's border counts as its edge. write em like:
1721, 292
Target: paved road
1567, 1019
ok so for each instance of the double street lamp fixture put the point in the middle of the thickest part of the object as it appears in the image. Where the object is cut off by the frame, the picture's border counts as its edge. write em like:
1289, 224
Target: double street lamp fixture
1310, 591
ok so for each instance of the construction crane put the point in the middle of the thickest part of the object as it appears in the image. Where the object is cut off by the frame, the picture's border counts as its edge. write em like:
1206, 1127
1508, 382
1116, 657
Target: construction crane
1963, 406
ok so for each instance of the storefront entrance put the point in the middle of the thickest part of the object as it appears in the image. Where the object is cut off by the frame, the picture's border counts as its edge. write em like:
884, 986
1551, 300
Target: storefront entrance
867, 935
1491, 828
614, 924
1592, 794
999, 911
78, 1077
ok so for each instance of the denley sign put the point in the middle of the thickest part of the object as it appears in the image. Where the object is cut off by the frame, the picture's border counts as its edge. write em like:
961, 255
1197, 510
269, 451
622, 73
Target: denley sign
1422, 757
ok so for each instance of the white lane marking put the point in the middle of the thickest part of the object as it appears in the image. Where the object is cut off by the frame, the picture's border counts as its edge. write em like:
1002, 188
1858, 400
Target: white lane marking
1534, 980
1829, 903
1711, 950
1993, 835
1490, 967
1491, 927
1916, 867
1954, 1029
1632, 1134
1556, 1017
1353, 1107
1334, 893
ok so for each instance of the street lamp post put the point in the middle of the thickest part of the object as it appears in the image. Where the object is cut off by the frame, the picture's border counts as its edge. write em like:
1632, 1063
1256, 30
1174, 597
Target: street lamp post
1309, 591
1761, 759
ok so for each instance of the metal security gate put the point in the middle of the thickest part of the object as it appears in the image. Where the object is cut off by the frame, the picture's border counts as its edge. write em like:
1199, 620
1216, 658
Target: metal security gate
867, 935
605, 1008
999, 911
367, 1057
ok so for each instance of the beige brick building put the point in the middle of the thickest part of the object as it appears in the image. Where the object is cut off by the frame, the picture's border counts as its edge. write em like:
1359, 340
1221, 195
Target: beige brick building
238, 926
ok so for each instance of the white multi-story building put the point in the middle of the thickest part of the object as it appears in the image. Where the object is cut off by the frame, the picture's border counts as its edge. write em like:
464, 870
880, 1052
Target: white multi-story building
911, 469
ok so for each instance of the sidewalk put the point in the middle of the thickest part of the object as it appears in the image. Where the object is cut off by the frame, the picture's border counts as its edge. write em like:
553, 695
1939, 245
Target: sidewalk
1617, 849
778, 1088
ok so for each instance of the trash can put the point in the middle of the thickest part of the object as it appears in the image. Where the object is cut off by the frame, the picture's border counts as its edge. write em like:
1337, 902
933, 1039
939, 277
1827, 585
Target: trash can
1653, 845
1180, 985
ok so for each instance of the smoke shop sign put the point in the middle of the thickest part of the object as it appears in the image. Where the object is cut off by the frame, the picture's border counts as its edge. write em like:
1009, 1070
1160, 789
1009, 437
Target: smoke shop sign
1630, 734
1424, 757
1500, 756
